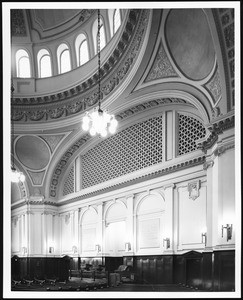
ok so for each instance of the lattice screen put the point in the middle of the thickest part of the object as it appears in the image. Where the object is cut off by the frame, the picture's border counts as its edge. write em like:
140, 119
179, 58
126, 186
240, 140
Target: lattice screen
132, 149
69, 183
189, 131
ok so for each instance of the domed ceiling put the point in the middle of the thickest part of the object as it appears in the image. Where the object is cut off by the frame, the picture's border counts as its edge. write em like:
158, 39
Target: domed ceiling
159, 58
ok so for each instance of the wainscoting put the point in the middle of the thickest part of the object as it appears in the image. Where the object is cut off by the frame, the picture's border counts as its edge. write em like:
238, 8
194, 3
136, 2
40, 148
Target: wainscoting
211, 271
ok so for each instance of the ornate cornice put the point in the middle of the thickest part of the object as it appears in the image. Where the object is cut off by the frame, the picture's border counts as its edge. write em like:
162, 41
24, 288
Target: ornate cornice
147, 105
164, 171
85, 95
216, 128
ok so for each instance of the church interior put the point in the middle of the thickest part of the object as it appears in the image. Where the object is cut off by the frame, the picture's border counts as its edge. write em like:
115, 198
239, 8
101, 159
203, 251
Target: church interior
123, 149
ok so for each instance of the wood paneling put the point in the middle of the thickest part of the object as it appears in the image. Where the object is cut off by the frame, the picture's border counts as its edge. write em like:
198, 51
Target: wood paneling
211, 271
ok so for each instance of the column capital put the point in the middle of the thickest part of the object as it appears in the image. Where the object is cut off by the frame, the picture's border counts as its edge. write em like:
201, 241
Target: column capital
208, 164
169, 186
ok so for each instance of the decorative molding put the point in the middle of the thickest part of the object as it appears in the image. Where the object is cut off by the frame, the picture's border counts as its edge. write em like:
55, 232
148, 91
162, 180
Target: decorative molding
52, 140
216, 128
221, 125
63, 163
210, 141
208, 164
193, 189
164, 171
219, 151
214, 86
169, 186
36, 177
46, 106
162, 67
147, 105
224, 21
22, 189
67, 218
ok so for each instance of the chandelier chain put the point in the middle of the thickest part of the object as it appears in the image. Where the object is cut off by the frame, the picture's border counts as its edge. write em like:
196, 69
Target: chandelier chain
12, 122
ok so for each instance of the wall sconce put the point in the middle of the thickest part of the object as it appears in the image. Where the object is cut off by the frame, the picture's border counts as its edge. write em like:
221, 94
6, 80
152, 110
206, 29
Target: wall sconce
127, 246
74, 249
167, 240
24, 250
229, 229
97, 247
204, 238
51, 249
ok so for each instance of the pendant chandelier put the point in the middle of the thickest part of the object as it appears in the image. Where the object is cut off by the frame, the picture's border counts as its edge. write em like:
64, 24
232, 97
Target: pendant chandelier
99, 122
16, 176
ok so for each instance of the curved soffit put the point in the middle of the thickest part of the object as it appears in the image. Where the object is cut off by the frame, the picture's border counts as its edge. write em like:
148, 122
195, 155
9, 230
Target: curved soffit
57, 172
85, 96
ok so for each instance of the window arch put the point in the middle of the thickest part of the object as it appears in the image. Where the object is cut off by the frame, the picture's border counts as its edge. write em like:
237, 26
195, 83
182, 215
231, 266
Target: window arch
44, 63
63, 58
114, 16
23, 64
102, 35
82, 50
116, 20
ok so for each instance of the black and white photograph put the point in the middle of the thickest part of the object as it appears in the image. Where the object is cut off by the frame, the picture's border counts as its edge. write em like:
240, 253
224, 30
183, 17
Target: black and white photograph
121, 150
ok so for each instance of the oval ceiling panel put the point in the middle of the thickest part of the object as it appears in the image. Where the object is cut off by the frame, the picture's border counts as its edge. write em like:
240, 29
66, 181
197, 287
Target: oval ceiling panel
30, 147
190, 42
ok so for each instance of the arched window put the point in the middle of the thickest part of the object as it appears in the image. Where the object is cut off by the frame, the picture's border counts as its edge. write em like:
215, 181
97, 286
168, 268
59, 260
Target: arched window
82, 51
22, 64
44, 63
116, 20
102, 35
63, 58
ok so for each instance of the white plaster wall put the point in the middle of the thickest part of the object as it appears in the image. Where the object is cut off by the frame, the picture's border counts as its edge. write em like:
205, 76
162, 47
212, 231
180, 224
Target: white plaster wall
35, 233
192, 218
227, 191
15, 235
66, 234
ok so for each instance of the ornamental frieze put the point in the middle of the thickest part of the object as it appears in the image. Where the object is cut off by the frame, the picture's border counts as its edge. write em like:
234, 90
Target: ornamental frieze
164, 171
86, 93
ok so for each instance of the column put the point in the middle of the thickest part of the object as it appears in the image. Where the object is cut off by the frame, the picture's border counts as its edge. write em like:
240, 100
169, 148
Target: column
100, 232
211, 204
130, 226
169, 217
77, 174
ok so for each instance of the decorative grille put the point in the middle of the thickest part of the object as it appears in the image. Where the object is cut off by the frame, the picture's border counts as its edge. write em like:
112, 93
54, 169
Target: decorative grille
190, 130
132, 149
69, 183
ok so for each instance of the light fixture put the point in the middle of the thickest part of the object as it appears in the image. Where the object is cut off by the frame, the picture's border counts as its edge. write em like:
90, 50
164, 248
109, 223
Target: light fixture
204, 238
127, 246
204, 235
99, 121
167, 240
229, 229
16, 176
97, 247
